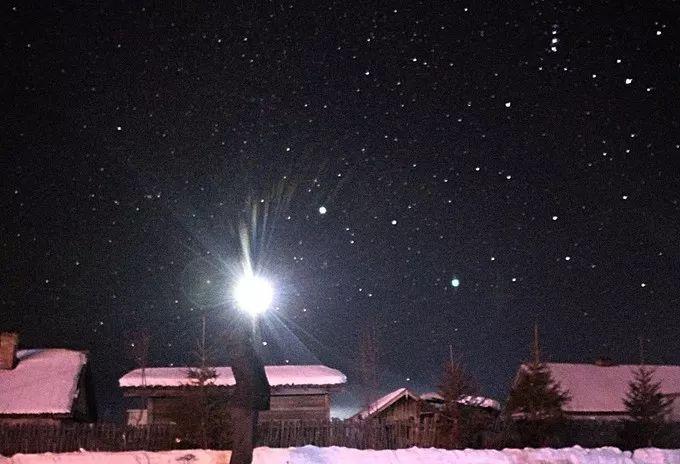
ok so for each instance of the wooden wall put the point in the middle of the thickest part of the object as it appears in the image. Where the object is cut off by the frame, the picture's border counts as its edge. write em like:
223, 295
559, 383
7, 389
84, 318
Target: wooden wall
403, 409
302, 407
162, 410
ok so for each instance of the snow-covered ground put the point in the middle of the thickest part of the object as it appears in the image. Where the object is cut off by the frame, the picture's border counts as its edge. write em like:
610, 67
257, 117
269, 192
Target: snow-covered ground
336, 455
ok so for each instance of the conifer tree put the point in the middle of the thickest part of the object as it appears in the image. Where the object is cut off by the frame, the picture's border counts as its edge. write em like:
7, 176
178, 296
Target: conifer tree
647, 409
138, 349
534, 408
454, 427
203, 416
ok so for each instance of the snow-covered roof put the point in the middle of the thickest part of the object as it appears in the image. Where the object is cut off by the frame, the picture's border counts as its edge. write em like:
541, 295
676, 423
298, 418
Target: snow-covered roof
44, 381
278, 376
384, 402
480, 402
432, 396
596, 388
468, 400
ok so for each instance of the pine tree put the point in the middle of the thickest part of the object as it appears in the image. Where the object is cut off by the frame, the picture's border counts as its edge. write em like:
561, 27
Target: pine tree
647, 409
454, 425
137, 345
534, 408
203, 416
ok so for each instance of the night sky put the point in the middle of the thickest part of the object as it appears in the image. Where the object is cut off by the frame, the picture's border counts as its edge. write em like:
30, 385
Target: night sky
375, 151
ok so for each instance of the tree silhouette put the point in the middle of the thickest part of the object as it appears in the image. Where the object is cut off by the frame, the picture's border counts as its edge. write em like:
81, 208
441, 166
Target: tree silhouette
202, 416
455, 425
137, 346
534, 409
647, 409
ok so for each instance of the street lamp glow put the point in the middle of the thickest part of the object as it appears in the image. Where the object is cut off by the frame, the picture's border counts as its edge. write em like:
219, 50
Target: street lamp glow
253, 294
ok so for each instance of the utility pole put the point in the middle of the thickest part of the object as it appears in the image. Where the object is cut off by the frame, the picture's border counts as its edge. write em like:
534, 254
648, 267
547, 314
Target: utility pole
642, 350
536, 349
251, 392
368, 357
203, 354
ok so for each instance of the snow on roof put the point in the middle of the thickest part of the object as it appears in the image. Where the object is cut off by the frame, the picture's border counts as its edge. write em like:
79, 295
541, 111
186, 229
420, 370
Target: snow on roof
480, 402
44, 381
431, 396
277, 375
381, 403
468, 400
596, 388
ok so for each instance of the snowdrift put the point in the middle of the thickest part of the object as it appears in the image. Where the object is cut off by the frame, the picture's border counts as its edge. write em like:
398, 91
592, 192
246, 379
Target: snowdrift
336, 455
125, 457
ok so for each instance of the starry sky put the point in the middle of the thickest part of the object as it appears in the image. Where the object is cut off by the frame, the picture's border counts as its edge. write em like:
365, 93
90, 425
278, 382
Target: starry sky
375, 152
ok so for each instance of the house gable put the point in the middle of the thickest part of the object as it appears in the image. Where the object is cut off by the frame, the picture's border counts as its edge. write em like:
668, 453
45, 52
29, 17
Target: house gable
402, 400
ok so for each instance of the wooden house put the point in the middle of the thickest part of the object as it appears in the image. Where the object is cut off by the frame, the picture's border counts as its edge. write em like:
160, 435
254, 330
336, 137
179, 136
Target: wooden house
297, 392
42, 386
401, 404
597, 390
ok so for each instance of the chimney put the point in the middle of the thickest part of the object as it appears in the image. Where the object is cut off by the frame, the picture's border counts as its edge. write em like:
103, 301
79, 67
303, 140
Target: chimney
8, 349
604, 361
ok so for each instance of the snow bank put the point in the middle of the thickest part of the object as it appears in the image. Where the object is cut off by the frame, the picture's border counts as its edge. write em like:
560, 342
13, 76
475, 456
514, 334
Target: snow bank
337, 455
575, 455
126, 457
656, 456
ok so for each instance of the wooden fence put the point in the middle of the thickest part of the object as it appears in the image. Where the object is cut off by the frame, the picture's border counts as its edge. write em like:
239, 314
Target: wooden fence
31, 438
360, 434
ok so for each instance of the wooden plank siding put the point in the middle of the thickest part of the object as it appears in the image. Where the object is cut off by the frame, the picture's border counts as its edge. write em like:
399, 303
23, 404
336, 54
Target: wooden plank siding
302, 407
163, 410
405, 408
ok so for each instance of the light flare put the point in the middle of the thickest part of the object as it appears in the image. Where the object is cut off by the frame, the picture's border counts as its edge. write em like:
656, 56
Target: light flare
253, 294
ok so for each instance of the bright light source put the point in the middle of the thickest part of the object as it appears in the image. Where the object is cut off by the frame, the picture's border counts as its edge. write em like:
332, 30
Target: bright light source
455, 282
253, 294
